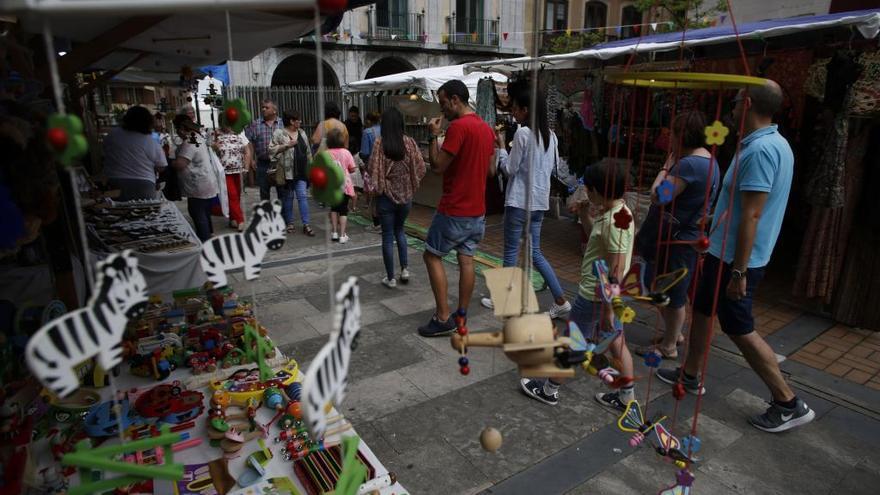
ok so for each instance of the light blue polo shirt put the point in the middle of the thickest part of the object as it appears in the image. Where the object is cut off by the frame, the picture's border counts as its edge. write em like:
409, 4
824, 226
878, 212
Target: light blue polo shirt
766, 164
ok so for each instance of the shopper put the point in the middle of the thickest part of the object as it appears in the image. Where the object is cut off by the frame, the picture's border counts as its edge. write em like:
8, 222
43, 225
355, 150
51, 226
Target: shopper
371, 133
233, 150
536, 154
332, 116
355, 130
344, 160
198, 181
396, 168
260, 133
290, 151
132, 158
466, 159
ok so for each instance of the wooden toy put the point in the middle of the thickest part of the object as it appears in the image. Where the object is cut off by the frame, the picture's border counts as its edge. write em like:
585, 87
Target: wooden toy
490, 439
246, 384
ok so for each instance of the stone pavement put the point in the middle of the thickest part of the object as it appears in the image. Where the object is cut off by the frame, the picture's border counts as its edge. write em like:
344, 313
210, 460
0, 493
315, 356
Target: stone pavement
423, 419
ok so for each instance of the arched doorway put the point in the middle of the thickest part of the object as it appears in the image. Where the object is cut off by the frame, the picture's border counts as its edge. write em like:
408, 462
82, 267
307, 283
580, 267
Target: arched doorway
387, 66
301, 70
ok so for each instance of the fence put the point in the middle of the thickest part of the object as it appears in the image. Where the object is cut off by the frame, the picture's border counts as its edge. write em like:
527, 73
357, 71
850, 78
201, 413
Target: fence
304, 99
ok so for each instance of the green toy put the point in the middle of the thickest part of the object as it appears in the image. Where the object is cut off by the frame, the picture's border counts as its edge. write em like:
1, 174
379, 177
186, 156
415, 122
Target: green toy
327, 179
236, 115
353, 473
92, 462
257, 348
65, 136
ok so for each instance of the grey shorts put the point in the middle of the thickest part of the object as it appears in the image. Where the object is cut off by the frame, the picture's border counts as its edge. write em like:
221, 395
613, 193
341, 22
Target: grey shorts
459, 233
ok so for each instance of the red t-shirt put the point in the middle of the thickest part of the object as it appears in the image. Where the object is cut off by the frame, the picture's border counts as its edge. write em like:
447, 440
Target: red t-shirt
471, 141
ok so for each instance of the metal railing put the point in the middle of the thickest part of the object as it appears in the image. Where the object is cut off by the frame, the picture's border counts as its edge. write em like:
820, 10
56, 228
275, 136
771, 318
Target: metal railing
471, 31
396, 27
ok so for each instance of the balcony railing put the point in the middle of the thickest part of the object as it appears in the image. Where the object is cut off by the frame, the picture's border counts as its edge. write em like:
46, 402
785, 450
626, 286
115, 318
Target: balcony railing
397, 27
469, 31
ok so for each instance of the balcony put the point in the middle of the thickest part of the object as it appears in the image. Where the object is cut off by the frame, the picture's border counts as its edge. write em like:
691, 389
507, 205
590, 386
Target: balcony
473, 32
389, 26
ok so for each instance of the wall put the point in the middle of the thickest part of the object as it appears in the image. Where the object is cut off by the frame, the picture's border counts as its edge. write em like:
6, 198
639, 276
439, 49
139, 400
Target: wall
760, 10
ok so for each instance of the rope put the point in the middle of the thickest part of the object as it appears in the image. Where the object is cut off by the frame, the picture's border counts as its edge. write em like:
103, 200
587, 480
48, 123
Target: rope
742, 51
532, 160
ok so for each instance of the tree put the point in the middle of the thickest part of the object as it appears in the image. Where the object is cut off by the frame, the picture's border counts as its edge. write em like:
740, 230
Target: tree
691, 13
567, 43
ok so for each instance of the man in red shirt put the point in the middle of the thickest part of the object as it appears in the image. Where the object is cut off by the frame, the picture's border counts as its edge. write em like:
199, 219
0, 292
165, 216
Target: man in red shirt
466, 159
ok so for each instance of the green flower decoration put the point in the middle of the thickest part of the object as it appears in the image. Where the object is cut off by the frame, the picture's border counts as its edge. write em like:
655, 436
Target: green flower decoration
327, 179
65, 137
716, 133
236, 115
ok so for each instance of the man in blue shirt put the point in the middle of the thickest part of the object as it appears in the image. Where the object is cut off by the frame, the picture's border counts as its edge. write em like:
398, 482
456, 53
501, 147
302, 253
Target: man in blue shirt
747, 221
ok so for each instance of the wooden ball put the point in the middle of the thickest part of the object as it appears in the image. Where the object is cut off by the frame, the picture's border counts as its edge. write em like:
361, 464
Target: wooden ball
490, 439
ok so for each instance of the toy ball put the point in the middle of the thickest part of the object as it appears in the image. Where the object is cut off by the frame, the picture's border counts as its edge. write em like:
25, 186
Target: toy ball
232, 115
57, 138
332, 6
294, 409
702, 244
678, 391
318, 177
490, 439
465, 370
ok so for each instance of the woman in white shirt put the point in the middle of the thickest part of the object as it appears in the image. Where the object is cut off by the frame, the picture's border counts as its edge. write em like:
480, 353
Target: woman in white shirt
529, 148
198, 180
132, 158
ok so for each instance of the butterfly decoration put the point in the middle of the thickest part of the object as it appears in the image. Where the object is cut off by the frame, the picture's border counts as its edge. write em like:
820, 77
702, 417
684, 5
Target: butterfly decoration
609, 290
683, 482
665, 443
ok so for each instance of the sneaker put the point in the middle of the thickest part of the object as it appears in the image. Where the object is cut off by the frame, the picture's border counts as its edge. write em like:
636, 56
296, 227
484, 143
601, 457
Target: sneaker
670, 376
404, 276
535, 389
343, 238
389, 283
612, 400
558, 311
334, 236
487, 303
778, 418
437, 328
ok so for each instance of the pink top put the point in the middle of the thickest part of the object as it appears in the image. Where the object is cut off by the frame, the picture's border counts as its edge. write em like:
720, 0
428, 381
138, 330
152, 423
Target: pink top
346, 162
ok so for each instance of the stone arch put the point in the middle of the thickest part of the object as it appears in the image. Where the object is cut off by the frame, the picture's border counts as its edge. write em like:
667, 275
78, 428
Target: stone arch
300, 69
388, 65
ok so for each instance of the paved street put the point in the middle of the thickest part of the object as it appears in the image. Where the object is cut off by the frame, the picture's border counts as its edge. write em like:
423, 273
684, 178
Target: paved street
423, 419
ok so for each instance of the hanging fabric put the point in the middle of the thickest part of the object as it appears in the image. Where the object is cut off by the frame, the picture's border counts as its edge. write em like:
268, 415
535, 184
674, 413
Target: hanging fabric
553, 99
486, 101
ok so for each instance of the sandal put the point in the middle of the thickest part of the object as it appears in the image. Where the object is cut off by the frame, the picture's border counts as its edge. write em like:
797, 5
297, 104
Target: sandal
308, 231
658, 340
291, 228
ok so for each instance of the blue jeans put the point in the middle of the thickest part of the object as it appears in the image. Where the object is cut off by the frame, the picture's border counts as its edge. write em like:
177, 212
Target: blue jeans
200, 212
514, 223
392, 217
294, 187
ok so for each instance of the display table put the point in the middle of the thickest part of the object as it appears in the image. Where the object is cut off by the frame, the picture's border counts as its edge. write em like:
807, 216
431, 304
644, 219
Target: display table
204, 453
164, 242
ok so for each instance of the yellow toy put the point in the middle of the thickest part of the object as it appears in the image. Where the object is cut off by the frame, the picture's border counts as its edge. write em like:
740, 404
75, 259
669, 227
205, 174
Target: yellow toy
246, 384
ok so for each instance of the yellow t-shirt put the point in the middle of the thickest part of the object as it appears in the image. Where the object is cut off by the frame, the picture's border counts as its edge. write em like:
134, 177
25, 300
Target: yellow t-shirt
605, 239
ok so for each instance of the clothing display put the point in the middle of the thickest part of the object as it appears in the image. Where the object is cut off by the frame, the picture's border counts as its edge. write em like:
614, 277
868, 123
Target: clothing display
486, 101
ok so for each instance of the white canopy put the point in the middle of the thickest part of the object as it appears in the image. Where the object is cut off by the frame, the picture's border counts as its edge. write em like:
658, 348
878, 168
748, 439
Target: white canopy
867, 22
423, 82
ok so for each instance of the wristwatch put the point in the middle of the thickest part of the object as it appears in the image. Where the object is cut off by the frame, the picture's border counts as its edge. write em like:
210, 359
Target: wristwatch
734, 273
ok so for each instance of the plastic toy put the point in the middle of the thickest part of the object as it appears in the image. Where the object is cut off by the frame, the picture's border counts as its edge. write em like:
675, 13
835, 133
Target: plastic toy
353, 472
326, 178
667, 445
169, 403
255, 466
236, 115
683, 482
103, 419
65, 135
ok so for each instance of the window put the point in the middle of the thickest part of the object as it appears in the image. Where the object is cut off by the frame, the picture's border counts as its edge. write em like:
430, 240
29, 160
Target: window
630, 16
595, 15
468, 14
391, 13
556, 15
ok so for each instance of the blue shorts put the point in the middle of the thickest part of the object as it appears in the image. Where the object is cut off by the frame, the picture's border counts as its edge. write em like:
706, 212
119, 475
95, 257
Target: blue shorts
680, 256
459, 233
735, 316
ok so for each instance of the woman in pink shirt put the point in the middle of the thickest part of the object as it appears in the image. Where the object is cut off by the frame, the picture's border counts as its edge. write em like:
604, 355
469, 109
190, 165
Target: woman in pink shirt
336, 146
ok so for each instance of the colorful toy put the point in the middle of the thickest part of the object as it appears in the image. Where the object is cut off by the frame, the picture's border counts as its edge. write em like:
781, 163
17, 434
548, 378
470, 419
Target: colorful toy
684, 480
246, 249
246, 384
65, 135
327, 377
94, 461
236, 115
169, 403
353, 472
103, 419
632, 421
95, 330
327, 179
255, 466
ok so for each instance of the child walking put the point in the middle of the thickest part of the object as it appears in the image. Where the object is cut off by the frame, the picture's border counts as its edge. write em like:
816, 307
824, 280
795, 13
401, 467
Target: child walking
339, 213
611, 241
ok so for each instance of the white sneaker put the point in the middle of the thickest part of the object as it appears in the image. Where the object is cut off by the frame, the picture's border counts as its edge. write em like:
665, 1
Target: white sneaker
487, 303
389, 283
404, 276
334, 236
558, 311
343, 239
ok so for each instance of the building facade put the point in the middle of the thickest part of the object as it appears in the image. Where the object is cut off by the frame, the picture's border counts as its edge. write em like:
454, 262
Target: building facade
394, 36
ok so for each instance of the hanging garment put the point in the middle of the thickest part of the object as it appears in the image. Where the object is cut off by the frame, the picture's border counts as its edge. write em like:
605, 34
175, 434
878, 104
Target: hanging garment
553, 104
486, 101
826, 187
587, 115
866, 90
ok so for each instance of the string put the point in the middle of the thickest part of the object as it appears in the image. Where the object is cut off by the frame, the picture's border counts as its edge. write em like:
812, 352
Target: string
328, 245
229, 35
534, 150
53, 67
742, 51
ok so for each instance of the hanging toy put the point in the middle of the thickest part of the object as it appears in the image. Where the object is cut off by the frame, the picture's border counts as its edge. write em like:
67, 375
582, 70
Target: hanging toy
622, 219
678, 391
683, 482
236, 114
490, 439
65, 136
653, 359
326, 178
716, 133
665, 190
691, 443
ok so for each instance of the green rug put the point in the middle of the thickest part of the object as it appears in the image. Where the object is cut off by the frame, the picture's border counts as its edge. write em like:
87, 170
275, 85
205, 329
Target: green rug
415, 239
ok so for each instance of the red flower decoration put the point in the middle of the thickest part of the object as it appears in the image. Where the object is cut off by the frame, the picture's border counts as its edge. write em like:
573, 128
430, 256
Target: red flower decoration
622, 219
